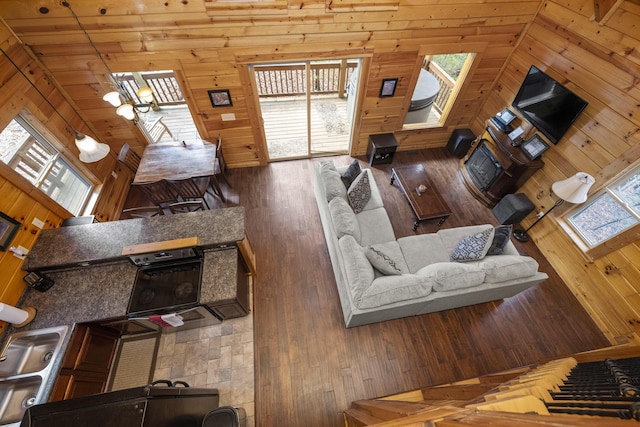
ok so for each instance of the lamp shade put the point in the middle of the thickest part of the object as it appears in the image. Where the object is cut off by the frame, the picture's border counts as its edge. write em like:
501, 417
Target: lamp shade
113, 98
90, 149
145, 94
575, 188
126, 111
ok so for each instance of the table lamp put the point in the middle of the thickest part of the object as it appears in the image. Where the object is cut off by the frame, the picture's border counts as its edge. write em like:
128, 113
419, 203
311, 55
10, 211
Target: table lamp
573, 190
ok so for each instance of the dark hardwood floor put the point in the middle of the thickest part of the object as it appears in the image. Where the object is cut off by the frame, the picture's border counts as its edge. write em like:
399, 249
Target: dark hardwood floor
309, 367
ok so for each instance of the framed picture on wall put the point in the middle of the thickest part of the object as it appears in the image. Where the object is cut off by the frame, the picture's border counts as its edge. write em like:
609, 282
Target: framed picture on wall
388, 87
8, 229
220, 98
534, 147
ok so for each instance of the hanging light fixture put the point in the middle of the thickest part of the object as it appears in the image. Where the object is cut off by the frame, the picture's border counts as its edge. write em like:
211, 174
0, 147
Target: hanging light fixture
90, 149
127, 109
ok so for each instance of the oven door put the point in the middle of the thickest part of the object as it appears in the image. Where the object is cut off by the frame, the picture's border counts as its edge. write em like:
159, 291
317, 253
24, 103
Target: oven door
196, 317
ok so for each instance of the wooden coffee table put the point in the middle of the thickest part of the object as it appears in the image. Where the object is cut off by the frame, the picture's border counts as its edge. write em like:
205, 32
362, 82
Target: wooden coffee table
427, 204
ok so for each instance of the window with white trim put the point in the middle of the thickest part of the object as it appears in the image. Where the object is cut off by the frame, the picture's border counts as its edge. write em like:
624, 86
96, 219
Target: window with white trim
25, 150
612, 212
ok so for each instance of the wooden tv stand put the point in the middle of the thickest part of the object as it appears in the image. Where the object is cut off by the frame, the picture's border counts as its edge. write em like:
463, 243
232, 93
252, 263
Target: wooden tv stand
516, 166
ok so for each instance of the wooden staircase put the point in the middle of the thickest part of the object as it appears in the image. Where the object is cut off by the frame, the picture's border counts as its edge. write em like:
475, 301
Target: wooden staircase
513, 398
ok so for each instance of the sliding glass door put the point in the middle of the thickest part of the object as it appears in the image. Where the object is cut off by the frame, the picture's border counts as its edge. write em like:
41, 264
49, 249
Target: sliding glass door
307, 107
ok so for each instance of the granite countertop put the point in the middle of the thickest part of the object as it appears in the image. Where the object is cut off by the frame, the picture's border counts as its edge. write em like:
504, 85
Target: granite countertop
83, 245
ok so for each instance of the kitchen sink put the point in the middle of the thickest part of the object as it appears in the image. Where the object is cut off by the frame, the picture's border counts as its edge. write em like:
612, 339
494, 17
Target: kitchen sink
16, 396
28, 353
26, 362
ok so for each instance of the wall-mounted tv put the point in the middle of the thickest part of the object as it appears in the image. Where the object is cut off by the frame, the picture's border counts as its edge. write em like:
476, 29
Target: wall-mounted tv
547, 104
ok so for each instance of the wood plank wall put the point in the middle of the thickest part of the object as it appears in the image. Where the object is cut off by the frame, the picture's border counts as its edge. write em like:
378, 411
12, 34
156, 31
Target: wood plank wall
208, 43
600, 62
18, 198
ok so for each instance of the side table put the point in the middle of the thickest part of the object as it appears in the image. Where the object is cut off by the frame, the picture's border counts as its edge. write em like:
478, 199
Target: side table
381, 148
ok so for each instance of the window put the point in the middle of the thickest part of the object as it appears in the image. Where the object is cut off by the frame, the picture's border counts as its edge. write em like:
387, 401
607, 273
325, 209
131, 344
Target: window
438, 85
25, 150
611, 213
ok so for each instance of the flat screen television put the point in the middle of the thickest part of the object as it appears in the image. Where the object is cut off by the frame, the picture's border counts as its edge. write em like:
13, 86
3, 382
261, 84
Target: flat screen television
547, 104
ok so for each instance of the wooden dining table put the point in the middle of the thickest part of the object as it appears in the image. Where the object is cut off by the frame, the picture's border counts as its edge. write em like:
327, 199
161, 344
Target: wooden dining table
176, 161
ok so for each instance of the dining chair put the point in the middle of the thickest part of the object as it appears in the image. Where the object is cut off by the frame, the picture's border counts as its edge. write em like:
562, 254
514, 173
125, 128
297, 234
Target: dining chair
143, 212
130, 158
189, 206
161, 193
191, 188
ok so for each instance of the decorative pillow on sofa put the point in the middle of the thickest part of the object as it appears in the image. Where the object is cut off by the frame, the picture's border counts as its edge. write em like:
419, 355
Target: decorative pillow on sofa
359, 192
474, 246
343, 218
507, 267
500, 239
351, 174
449, 276
387, 258
357, 268
390, 289
330, 177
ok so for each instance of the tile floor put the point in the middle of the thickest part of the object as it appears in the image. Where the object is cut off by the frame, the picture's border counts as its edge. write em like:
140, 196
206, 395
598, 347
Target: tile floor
218, 356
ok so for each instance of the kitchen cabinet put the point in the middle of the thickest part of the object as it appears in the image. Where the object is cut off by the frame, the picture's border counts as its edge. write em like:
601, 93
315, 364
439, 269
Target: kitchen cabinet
87, 363
238, 304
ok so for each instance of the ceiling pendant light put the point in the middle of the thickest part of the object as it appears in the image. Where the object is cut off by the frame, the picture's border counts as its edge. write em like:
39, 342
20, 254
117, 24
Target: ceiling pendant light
113, 98
90, 149
126, 111
145, 94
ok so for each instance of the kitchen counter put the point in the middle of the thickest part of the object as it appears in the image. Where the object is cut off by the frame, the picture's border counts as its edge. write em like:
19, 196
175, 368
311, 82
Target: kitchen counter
100, 291
83, 245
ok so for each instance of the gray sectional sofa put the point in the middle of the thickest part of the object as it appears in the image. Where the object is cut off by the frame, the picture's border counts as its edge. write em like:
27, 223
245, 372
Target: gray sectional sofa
412, 275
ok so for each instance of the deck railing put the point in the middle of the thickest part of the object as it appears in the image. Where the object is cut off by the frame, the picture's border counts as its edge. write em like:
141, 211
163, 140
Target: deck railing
446, 85
289, 80
166, 89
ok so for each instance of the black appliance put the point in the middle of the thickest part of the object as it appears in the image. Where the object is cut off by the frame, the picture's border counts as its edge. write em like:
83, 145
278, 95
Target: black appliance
147, 406
169, 282
460, 142
548, 105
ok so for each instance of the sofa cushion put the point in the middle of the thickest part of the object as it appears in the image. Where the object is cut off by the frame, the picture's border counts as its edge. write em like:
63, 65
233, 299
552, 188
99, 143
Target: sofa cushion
357, 267
387, 258
421, 250
390, 289
474, 246
448, 276
375, 227
333, 186
500, 239
507, 267
351, 174
359, 192
343, 218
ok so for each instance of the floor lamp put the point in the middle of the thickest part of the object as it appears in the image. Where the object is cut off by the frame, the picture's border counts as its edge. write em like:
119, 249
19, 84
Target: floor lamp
573, 190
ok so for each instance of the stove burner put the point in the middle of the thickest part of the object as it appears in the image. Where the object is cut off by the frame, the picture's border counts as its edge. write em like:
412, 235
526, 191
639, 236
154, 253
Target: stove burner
184, 290
166, 287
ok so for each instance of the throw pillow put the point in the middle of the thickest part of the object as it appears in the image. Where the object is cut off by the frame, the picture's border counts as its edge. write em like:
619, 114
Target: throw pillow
500, 239
344, 219
449, 276
332, 185
387, 258
359, 193
351, 174
474, 246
